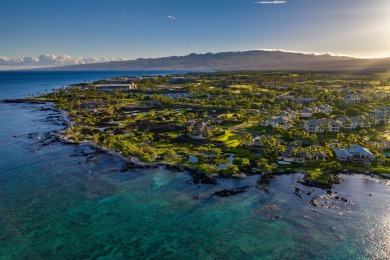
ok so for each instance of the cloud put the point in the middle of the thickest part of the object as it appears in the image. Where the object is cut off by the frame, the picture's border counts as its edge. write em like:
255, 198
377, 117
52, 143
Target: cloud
171, 17
313, 53
46, 60
271, 2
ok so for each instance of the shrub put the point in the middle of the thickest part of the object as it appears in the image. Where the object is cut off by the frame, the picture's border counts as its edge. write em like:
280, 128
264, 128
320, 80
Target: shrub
241, 162
230, 170
207, 169
320, 115
351, 112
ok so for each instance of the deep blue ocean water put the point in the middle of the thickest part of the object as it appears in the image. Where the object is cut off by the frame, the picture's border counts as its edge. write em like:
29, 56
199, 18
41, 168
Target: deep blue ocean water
56, 203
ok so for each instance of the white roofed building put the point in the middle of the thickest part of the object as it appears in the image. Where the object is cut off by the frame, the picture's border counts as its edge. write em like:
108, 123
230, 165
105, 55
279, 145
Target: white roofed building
114, 87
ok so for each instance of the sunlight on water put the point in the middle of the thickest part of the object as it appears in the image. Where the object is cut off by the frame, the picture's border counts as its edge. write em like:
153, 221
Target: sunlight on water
383, 250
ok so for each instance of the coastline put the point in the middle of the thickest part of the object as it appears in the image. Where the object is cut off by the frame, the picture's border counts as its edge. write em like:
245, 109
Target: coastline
197, 175
57, 193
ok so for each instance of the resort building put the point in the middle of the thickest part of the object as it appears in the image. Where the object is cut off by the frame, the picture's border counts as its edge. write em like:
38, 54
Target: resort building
322, 125
352, 99
325, 108
307, 112
114, 87
284, 122
304, 100
382, 110
178, 80
284, 97
356, 152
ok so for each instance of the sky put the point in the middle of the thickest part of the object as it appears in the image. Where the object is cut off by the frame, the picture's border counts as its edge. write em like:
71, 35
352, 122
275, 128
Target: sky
130, 29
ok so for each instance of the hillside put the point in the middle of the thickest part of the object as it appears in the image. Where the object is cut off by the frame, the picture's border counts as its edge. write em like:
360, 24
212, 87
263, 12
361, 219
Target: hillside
247, 60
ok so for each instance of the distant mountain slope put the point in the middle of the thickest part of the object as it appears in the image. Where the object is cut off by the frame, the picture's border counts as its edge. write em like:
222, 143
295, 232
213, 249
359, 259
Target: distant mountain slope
247, 60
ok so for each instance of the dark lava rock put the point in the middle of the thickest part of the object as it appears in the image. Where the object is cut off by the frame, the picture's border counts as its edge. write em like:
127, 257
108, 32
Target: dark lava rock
230, 192
263, 189
296, 192
202, 178
33, 135
272, 207
118, 132
313, 201
267, 177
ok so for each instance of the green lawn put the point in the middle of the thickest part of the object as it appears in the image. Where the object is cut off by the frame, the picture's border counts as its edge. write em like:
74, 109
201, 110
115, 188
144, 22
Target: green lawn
229, 138
319, 176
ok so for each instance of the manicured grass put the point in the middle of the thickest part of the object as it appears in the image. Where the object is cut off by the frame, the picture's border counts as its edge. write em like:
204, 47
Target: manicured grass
262, 90
243, 125
381, 170
320, 176
173, 135
249, 87
229, 138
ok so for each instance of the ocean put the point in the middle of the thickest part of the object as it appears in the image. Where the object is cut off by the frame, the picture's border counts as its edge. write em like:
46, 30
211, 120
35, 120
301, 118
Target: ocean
61, 201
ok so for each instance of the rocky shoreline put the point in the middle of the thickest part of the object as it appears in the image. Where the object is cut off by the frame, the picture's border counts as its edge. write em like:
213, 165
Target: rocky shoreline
198, 177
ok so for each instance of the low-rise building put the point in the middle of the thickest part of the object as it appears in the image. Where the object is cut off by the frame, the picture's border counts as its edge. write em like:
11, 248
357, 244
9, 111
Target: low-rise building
307, 112
352, 99
355, 152
285, 97
178, 80
322, 125
349, 123
289, 114
116, 87
325, 108
382, 110
303, 100
380, 95
277, 121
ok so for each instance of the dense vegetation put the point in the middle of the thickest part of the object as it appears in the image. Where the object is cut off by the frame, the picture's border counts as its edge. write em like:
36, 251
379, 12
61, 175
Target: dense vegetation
212, 122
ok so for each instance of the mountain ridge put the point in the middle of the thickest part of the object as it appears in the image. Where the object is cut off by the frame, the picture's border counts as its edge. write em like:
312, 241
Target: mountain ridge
242, 60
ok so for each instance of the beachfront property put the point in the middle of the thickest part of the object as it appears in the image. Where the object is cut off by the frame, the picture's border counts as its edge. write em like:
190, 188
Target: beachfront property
294, 153
356, 152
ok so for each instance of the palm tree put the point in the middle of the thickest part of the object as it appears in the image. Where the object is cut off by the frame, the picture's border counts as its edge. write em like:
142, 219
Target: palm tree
347, 124
246, 139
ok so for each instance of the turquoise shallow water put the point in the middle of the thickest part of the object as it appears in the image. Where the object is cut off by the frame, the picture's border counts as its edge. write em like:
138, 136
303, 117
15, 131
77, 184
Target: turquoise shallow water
56, 203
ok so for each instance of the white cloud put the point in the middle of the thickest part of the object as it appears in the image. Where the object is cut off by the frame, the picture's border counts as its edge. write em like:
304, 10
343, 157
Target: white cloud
312, 53
171, 17
46, 60
270, 2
